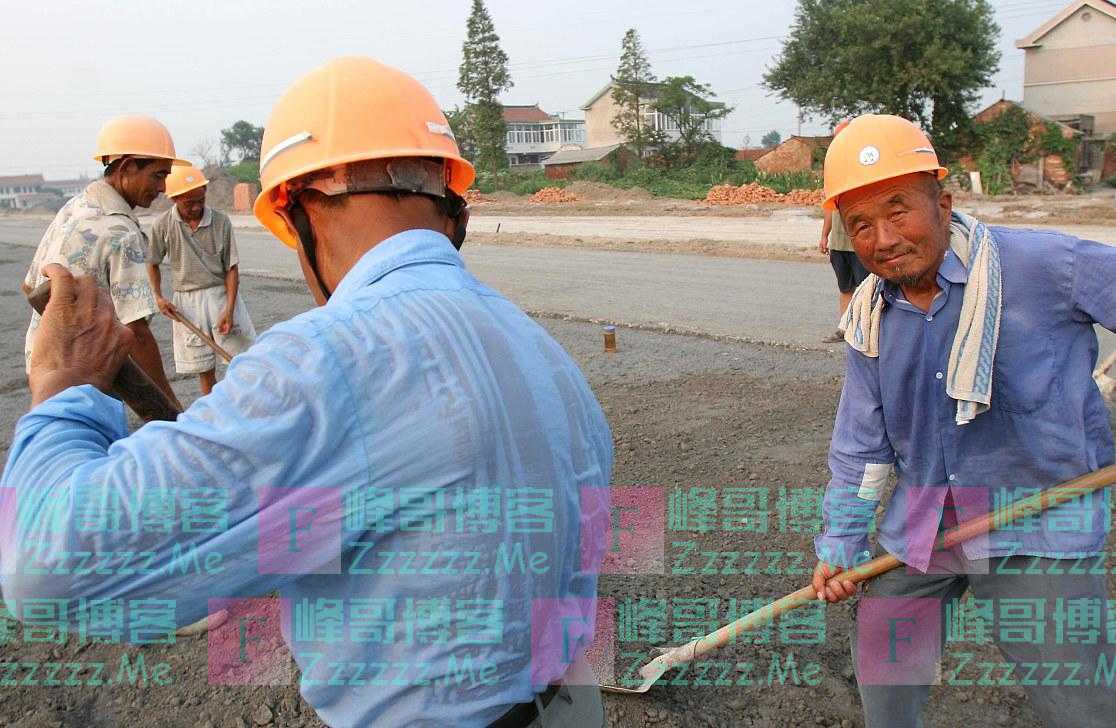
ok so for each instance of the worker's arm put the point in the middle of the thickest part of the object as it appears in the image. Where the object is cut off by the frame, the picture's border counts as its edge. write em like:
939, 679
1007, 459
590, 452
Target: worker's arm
827, 226
1094, 296
860, 461
232, 286
92, 513
156, 278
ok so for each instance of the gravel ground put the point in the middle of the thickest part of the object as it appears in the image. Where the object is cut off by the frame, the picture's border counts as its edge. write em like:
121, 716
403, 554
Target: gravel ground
687, 412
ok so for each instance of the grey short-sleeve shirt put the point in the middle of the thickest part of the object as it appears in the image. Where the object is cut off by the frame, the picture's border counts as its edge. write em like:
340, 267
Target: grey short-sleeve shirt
198, 258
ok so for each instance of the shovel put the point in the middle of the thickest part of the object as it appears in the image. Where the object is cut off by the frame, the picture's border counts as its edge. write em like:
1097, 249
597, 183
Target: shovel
671, 657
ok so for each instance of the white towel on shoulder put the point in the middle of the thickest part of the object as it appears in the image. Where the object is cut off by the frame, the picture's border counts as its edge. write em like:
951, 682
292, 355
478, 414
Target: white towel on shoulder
969, 378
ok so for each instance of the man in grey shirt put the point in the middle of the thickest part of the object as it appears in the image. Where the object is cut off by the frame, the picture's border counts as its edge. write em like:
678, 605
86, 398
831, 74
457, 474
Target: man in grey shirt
205, 277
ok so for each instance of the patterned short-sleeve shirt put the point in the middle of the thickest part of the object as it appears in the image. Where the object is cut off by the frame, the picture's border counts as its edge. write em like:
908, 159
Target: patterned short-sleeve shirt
96, 234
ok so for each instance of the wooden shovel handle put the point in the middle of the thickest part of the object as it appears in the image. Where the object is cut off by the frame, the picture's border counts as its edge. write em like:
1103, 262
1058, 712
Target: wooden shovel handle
1041, 501
176, 316
131, 383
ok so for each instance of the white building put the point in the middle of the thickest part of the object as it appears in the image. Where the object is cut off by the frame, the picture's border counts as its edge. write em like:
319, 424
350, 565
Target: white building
20, 191
68, 187
1070, 66
534, 135
602, 109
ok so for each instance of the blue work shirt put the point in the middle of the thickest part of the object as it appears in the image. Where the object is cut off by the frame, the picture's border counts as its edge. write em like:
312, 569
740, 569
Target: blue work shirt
417, 467
1047, 423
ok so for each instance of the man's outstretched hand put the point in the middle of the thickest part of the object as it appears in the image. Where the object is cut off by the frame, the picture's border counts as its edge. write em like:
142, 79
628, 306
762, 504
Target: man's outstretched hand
834, 591
79, 339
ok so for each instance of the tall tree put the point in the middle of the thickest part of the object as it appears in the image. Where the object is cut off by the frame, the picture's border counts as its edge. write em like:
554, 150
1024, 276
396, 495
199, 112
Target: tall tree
926, 61
771, 139
689, 107
634, 84
483, 76
243, 139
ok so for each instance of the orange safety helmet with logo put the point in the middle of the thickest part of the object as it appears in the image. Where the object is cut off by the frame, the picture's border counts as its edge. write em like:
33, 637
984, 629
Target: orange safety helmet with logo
351, 110
184, 179
135, 136
872, 148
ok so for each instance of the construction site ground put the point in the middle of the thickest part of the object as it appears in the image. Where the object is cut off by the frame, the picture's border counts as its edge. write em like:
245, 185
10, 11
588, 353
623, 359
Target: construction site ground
720, 382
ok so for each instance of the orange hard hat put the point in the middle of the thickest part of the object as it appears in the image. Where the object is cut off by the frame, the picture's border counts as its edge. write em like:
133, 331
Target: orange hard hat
351, 109
183, 179
135, 136
872, 148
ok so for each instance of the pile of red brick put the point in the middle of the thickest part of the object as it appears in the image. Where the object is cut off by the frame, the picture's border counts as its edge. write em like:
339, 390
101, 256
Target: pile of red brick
748, 194
804, 197
549, 195
474, 196
753, 193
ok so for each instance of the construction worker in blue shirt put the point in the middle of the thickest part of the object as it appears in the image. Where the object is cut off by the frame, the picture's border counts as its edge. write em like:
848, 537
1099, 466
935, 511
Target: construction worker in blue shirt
414, 412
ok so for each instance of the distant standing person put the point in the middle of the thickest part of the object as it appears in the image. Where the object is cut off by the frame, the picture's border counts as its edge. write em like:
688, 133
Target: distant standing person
850, 271
836, 244
205, 276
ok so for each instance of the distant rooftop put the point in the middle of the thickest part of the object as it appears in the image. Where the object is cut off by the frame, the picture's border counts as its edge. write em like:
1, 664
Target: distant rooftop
525, 114
574, 156
21, 180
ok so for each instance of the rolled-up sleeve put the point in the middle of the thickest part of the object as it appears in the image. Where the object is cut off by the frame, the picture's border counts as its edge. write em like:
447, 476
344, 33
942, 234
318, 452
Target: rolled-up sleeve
860, 461
157, 244
215, 488
1094, 295
231, 256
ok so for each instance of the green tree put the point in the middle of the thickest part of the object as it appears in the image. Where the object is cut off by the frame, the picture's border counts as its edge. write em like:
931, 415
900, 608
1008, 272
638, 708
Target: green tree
688, 105
483, 76
771, 139
633, 84
242, 139
926, 61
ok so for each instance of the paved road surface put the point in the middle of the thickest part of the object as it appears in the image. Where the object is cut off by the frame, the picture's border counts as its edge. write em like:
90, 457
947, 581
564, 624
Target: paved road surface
759, 300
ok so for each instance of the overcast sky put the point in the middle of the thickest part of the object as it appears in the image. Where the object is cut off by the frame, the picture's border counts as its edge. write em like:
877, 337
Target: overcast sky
200, 65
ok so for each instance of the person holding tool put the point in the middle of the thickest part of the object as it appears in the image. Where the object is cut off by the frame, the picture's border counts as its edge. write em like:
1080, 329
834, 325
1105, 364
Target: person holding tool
96, 233
969, 361
415, 457
205, 277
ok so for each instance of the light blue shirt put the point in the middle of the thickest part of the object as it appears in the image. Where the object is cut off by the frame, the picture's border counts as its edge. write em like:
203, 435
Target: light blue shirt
417, 467
1047, 422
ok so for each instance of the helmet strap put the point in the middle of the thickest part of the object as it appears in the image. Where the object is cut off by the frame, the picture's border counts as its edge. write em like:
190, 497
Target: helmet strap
306, 237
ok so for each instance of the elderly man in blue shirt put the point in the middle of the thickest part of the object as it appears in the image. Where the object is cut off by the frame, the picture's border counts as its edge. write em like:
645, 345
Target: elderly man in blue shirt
418, 468
970, 352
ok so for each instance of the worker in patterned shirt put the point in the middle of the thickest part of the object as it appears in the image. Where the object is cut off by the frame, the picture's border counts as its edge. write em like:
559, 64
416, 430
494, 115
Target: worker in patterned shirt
205, 276
97, 234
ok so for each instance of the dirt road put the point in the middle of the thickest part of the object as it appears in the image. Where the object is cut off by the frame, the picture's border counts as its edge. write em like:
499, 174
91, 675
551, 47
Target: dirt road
689, 415
752, 299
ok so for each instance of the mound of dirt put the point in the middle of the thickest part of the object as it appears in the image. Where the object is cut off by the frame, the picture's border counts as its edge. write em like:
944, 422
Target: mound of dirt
598, 192
219, 194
